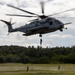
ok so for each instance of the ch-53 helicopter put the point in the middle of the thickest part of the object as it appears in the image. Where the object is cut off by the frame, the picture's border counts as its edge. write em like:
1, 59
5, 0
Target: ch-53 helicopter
42, 25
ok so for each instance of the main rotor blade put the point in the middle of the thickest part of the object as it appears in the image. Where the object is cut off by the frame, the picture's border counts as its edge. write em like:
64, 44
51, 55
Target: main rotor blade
42, 7
22, 10
62, 12
20, 15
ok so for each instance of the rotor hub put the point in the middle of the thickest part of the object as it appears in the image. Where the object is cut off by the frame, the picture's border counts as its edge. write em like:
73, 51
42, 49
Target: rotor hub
43, 16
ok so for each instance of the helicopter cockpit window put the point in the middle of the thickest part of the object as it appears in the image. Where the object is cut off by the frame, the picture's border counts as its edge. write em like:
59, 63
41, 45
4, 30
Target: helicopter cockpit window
57, 21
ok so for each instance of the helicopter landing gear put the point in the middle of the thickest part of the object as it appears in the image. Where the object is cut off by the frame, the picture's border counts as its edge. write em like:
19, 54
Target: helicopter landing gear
40, 39
61, 30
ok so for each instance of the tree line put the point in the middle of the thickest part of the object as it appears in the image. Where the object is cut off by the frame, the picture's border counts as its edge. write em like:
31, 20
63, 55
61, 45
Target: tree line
17, 54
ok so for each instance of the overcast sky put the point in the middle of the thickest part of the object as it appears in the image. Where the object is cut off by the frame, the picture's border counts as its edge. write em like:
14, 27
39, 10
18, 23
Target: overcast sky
65, 38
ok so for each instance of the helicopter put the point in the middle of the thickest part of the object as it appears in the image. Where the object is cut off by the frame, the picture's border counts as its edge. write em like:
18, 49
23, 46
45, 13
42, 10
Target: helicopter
42, 25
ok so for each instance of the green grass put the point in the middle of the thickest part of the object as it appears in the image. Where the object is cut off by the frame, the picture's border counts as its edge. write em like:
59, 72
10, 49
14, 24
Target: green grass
37, 69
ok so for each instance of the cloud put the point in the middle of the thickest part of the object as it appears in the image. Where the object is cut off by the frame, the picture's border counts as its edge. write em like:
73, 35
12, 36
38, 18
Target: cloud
52, 6
62, 36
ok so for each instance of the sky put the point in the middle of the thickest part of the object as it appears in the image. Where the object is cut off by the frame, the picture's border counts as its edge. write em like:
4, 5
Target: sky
65, 38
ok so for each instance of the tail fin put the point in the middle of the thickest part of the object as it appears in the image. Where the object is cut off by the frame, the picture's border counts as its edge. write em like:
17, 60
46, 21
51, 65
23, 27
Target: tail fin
9, 24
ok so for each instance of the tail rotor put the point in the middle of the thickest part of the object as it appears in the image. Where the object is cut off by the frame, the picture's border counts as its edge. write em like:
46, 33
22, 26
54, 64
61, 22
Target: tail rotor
11, 22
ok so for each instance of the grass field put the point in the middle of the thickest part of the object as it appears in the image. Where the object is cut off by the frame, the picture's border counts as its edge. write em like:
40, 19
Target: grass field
37, 69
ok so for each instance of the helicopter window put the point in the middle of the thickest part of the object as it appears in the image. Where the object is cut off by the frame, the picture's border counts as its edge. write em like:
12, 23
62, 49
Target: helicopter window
51, 23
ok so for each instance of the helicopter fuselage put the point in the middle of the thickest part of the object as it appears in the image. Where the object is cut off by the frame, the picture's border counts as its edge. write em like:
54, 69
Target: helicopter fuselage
42, 26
